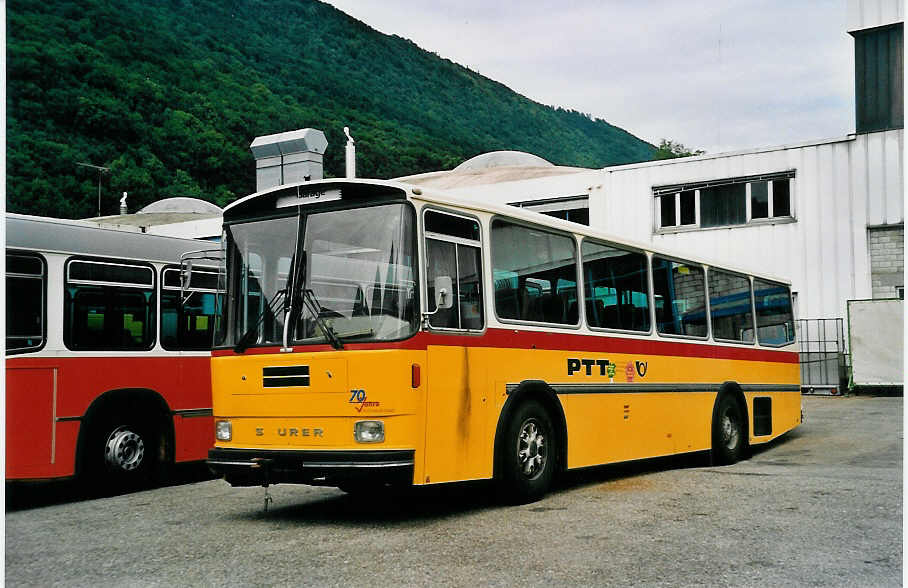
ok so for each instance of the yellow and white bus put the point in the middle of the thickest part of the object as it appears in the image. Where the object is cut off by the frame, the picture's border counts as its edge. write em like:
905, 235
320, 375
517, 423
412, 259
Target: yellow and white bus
378, 333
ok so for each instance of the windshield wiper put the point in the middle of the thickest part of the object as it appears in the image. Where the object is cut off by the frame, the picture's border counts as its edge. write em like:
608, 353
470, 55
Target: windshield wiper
310, 301
249, 336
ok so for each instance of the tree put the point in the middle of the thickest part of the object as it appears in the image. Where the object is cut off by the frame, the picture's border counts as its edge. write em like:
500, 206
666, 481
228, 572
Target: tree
669, 149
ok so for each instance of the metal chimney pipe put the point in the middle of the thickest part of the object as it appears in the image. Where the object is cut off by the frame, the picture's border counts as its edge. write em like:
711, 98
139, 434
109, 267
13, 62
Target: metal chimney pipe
123, 209
350, 155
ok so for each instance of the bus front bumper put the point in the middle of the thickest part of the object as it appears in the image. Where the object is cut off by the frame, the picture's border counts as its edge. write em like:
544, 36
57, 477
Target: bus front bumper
260, 467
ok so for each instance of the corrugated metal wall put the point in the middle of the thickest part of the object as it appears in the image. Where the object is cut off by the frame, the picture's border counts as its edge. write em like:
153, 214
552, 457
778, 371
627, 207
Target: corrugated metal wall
841, 188
866, 14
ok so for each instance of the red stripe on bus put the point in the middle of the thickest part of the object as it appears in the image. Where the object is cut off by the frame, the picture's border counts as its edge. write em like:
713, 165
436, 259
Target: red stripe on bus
519, 339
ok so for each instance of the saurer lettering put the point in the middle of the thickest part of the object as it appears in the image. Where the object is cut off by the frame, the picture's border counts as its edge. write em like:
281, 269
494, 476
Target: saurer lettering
293, 432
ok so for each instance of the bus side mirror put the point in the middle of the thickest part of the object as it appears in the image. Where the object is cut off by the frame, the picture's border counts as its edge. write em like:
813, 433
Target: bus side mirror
444, 293
185, 274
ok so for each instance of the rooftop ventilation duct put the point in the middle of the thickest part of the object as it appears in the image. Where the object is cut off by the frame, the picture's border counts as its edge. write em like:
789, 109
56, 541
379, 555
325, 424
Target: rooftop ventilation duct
286, 158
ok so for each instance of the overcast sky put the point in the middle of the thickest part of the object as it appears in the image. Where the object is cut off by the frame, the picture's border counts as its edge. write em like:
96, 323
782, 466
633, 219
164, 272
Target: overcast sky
719, 75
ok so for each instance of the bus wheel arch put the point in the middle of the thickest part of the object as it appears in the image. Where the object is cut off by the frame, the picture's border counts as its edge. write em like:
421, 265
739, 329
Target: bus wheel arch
730, 429
532, 409
126, 438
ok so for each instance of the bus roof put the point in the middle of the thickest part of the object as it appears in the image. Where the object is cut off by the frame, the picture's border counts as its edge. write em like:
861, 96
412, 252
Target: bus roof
443, 198
54, 235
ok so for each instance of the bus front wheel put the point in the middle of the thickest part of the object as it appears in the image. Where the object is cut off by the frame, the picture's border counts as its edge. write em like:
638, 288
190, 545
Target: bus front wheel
527, 454
728, 431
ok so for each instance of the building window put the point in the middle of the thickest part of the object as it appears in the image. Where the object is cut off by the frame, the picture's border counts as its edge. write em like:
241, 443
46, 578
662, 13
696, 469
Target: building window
667, 208
687, 207
724, 203
781, 198
571, 208
759, 200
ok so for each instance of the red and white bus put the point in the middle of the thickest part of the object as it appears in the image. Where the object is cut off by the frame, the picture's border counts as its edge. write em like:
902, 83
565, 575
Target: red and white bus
107, 359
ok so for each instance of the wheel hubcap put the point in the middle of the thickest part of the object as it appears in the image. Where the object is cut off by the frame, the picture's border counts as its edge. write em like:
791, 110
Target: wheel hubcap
730, 431
531, 449
124, 450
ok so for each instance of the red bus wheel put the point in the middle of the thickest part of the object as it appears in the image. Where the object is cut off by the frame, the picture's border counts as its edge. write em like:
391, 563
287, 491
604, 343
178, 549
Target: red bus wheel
124, 451
122, 454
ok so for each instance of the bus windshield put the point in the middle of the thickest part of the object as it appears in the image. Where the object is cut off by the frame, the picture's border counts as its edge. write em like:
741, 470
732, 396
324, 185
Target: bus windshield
359, 274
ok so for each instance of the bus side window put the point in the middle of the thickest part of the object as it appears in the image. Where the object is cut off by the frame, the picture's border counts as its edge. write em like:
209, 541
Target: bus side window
729, 306
680, 291
544, 270
617, 288
775, 321
451, 252
442, 260
26, 280
188, 323
109, 305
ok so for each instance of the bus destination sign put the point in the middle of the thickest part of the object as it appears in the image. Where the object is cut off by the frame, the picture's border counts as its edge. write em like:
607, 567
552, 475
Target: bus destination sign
308, 197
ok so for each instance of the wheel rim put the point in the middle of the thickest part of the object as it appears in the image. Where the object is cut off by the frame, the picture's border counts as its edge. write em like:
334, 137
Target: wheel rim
531, 449
730, 430
124, 450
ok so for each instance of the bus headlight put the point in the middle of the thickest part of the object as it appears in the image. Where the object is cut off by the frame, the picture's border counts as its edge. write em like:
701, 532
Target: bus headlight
369, 431
223, 430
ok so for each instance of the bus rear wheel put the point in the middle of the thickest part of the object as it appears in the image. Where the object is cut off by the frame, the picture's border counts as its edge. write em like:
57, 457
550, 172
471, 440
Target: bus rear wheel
728, 431
123, 454
527, 454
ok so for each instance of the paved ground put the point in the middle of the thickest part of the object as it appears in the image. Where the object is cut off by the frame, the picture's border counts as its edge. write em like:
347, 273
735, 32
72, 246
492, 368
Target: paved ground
821, 507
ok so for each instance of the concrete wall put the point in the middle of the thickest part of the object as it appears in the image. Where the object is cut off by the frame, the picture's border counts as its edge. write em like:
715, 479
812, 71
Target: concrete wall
887, 260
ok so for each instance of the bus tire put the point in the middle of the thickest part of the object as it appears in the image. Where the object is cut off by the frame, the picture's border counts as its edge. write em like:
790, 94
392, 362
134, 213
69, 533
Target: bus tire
527, 455
729, 432
124, 453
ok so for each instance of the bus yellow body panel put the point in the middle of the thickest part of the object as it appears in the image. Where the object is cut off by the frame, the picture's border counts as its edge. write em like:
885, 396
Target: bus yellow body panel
449, 419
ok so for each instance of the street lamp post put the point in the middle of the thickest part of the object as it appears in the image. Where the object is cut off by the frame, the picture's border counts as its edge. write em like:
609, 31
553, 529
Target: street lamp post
101, 170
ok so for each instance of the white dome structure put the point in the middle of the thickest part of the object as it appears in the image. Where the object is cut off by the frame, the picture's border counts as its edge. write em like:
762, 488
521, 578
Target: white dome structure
503, 159
182, 204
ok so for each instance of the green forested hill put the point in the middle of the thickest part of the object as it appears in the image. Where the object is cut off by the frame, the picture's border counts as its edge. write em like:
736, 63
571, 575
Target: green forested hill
169, 94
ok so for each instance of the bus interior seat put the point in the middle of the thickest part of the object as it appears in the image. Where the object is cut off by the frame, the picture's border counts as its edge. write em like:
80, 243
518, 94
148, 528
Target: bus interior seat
506, 302
551, 309
595, 313
572, 315
526, 304
611, 317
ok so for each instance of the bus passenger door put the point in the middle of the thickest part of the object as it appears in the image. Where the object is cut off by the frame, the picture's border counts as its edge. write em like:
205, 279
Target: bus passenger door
458, 445
458, 442
30, 426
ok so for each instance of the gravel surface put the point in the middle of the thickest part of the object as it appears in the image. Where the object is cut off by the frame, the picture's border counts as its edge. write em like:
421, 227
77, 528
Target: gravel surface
820, 507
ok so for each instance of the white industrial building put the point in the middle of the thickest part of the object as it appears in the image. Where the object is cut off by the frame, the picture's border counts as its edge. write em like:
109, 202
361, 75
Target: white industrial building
828, 214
